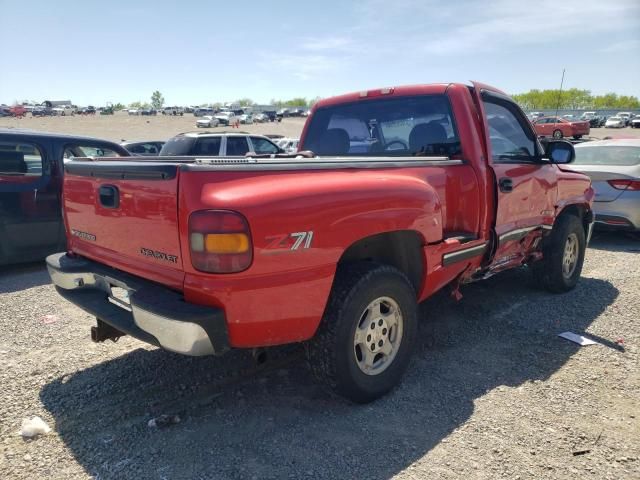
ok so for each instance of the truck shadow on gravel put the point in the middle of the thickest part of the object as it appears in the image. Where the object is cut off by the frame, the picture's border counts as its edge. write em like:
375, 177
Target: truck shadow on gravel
272, 421
616, 241
14, 278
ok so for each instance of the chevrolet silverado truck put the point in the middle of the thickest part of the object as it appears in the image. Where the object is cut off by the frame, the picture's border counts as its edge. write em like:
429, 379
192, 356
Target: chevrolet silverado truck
395, 194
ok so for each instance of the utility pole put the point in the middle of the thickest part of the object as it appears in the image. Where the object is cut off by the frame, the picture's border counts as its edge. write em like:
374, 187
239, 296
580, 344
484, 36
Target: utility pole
560, 93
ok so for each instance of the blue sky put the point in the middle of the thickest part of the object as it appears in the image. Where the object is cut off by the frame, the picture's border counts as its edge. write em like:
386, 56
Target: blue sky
204, 51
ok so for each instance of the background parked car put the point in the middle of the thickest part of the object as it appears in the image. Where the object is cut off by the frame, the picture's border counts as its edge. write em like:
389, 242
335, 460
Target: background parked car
62, 110
615, 122
173, 111
143, 148
202, 111
626, 116
635, 122
17, 111
614, 168
148, 111
289, 145
559, 127
31, 171
246, 118
90, 110
219, 144
207, 121
226, 118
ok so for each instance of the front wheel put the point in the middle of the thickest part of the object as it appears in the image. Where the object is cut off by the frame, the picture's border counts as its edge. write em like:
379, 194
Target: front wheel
557, 134
563, 255
367, 334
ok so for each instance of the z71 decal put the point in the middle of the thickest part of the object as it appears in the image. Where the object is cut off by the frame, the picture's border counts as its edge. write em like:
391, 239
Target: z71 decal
290, 241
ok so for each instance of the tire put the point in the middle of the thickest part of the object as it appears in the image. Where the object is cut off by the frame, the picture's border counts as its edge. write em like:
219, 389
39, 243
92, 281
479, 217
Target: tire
557, 134
556, 272
337, 360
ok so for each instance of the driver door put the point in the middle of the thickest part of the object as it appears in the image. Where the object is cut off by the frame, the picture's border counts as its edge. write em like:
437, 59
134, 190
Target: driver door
526, 183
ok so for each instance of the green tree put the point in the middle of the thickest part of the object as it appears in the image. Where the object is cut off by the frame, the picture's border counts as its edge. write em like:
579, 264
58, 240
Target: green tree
157, 100
573, 98
118, 106
245, 102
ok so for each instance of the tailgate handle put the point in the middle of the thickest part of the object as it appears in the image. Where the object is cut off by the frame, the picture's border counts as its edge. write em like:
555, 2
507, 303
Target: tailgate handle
109, 196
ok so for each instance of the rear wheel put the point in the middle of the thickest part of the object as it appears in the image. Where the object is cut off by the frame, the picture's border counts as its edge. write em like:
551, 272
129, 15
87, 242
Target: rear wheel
563, 255
557, 134
367, 334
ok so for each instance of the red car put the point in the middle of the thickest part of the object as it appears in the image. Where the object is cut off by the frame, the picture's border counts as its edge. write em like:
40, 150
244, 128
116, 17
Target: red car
18, 111
557, 127
400, 193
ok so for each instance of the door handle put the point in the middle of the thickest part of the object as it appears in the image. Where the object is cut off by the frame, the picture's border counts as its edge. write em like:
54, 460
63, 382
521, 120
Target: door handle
506, 185
109, 196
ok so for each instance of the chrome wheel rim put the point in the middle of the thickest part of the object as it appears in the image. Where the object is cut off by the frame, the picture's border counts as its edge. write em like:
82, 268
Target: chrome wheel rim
378, 336
557, 134
570, 256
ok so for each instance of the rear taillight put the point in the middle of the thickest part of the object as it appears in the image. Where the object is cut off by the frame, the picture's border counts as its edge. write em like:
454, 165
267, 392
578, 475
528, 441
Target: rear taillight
623, 184
219, 241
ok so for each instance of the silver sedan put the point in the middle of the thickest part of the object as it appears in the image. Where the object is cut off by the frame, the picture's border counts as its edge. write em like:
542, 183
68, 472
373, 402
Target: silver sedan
614, 168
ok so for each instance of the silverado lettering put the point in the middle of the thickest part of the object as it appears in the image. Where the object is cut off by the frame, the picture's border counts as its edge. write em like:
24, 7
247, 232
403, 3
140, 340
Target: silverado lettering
159, 255
84, 235
408, 190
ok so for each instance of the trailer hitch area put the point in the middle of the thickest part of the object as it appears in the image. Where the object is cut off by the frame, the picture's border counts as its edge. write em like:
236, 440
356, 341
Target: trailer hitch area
103, 331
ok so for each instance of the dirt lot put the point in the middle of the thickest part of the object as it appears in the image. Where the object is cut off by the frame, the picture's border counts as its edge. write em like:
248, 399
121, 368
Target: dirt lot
492, 391
120, 126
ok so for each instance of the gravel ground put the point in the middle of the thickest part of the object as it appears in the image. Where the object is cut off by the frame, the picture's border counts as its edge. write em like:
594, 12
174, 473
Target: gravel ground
492, 392
121, 126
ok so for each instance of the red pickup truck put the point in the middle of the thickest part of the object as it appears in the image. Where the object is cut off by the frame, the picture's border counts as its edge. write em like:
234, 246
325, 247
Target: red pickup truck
395, 194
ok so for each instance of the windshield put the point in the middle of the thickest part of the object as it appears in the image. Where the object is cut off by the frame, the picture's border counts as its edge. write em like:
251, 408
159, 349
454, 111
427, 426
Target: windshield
608, 155
400, 126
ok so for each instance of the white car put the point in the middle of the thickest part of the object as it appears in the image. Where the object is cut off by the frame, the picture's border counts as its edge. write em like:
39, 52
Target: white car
133, 111
289, 145
615, 122
63, 110
246, 118
207, 121
635, 122
226, 118
626, 117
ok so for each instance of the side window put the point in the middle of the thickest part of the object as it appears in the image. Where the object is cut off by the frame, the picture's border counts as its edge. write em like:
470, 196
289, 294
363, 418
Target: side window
510, 142
237, 146
209, 146
20, 159
79, 150
262, 145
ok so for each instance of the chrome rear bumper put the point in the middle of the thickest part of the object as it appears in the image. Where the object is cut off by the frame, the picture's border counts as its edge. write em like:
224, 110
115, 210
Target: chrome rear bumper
154, 313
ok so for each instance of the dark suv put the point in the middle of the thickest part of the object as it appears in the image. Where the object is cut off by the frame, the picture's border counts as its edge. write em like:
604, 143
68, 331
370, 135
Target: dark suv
231, 144
31, 170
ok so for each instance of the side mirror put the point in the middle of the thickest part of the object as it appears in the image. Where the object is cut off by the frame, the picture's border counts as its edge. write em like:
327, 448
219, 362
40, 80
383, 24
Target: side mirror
560, 151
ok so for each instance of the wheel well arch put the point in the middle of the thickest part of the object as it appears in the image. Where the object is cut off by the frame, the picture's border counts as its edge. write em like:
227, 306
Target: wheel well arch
583, 212
401, 249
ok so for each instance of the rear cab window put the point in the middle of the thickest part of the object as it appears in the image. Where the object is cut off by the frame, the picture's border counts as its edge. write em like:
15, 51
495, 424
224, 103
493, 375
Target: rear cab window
396, 126
20, 159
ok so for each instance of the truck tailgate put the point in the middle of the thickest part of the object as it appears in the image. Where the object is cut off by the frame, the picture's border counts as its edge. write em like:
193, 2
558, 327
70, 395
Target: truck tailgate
125, 214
